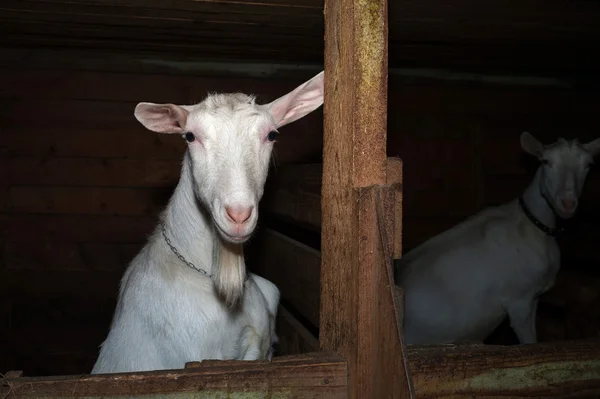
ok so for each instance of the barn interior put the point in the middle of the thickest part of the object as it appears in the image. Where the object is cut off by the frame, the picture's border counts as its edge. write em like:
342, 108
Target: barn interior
82, 182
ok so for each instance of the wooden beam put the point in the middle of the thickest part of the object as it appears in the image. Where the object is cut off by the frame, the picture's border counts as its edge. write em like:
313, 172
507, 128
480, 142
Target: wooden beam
316, 375
554, 370
395, 178
358, 318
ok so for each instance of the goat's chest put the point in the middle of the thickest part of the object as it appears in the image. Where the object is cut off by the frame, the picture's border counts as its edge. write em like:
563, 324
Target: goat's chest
204, 328
531, 261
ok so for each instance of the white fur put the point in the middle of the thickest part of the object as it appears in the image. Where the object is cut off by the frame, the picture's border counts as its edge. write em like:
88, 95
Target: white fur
167, 313
461, 284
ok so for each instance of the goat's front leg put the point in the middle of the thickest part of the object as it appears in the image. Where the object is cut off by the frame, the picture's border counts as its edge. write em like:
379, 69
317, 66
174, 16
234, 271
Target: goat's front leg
522, 315
250, 344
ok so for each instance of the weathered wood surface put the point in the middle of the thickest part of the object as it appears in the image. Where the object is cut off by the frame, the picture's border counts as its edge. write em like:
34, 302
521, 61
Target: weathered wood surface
499, 35
358, 318
317, 375
13, 374
557, 370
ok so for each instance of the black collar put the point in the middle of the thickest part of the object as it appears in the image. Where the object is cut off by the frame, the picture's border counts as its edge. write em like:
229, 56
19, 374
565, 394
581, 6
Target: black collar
548, 230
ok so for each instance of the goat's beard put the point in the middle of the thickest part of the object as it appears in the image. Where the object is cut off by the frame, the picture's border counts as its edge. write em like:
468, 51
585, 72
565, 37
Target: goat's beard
229, 271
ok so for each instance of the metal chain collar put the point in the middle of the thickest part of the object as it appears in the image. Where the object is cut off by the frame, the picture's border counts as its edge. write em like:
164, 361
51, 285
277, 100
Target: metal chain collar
553, 232
176, 252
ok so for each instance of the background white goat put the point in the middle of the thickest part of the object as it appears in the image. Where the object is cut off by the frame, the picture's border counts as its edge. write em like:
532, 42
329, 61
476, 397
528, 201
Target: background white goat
169, 309
461, 284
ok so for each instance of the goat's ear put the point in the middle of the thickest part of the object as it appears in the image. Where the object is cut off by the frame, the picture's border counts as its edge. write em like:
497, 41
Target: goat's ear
298, 103
593, 147
161, 118
531, 145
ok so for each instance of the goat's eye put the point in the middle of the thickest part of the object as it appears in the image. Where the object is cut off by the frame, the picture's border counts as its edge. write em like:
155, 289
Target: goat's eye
189, 136
272, 135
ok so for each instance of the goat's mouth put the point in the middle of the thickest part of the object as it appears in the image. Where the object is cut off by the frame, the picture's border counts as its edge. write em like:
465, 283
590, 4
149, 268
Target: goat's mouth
233, 238
565, 213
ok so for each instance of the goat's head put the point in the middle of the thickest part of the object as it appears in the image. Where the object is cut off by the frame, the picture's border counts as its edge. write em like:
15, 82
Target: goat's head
230, 140
565, 165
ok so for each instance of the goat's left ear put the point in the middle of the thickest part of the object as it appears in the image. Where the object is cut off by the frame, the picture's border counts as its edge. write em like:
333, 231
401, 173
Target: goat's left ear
531, 145
593, 147
161, 118
298, 103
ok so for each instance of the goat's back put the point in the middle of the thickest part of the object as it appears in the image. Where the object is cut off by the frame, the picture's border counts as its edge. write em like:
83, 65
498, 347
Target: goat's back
457, 283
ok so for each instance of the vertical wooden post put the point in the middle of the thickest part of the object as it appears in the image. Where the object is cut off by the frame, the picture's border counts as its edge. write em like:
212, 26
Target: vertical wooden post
358, 317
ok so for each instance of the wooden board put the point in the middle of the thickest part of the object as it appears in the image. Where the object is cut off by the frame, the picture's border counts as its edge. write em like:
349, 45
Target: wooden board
42, 171
88, 200
556, 370
59, 284
89, 139
317, 375
51, 255
99, 228
500, 36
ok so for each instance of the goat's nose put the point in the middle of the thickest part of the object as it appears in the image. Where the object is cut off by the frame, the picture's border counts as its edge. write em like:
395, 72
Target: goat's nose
239, 214
569, 203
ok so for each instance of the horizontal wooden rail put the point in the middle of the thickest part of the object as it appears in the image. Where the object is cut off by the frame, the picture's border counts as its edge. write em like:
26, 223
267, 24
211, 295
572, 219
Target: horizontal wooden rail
568, 369
316, 375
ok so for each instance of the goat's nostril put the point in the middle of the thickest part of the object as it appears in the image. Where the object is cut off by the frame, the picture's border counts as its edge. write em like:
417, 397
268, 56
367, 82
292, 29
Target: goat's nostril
239, 214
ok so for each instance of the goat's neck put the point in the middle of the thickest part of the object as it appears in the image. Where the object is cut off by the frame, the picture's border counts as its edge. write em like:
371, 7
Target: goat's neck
537, 204
189, 227
188, 224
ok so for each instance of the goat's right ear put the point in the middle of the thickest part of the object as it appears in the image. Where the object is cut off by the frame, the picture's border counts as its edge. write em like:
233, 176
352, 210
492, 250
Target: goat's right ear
593, 147
298, 103
161, 118
531, 145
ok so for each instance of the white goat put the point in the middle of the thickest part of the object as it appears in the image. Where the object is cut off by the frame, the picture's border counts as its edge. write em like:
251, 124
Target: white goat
169, 309
461, 284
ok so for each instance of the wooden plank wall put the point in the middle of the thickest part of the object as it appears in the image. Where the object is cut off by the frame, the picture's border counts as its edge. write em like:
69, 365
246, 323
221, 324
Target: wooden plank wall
81, 183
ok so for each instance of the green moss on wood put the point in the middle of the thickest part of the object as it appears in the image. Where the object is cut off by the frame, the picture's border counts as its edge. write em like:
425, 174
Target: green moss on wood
183, 395
535, 375
370, 42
